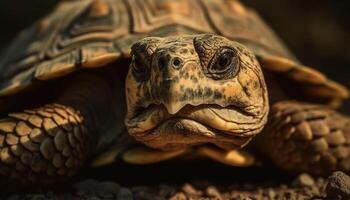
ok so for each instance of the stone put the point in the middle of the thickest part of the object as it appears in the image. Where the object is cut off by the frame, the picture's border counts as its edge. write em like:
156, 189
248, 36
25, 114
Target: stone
96, 188
178, 196
190, 190
125, 193
303, 180
212, 191
165, 191
338, 184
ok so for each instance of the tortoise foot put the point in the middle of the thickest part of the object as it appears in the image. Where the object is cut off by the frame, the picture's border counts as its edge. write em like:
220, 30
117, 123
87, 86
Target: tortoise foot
42, 145
307, 138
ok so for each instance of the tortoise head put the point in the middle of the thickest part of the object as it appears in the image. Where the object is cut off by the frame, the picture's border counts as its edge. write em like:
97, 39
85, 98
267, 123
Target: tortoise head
191, 90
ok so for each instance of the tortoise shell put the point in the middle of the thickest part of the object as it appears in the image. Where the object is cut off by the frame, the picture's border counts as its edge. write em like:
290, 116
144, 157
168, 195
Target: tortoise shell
94, 33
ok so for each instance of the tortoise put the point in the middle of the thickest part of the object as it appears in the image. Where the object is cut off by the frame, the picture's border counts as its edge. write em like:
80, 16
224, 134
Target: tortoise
100, 81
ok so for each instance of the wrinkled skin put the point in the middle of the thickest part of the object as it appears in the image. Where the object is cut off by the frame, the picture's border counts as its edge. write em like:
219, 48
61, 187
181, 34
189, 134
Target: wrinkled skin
190, 90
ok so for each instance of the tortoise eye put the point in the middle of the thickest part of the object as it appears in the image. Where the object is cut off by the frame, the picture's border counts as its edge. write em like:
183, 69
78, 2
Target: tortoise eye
139, 69
225, 64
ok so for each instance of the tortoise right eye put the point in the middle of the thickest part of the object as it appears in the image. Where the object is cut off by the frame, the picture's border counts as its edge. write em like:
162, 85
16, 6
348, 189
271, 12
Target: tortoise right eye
224, 65
139, 69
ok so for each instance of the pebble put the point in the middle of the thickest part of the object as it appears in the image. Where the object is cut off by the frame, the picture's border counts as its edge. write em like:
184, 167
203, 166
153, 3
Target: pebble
143, 195
178, 196
139, 188
303, 180
270, 193
95, 188
338, 184
125, 194
212, 191
320, 182
190, 190
165, 191
291, 195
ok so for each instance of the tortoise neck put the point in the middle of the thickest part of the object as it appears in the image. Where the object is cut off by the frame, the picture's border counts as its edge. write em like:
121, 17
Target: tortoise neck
276, 93
99, 103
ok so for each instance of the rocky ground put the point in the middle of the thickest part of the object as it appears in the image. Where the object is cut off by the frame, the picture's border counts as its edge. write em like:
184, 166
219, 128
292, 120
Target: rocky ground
185, 183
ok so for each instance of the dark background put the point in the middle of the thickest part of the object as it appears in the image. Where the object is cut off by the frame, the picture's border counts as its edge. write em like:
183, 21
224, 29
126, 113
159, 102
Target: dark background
317, 31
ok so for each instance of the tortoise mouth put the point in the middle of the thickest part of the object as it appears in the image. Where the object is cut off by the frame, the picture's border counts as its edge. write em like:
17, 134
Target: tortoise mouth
228, 127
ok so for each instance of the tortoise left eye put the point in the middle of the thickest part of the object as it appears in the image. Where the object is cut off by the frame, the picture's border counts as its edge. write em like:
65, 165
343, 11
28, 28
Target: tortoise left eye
223, 62
224, 65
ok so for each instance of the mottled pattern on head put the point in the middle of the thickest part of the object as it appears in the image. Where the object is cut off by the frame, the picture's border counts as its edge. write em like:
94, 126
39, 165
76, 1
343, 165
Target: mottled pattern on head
202, 77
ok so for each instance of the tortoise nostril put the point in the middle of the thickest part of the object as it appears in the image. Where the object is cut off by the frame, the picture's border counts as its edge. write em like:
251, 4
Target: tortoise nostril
165, 61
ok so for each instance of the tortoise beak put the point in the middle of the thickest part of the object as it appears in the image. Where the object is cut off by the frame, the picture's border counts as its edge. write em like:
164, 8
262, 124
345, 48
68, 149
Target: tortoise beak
173, 107
193, 125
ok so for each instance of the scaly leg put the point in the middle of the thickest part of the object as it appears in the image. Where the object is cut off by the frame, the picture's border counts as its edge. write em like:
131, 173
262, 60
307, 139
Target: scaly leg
309, 138
42, 144
51, 143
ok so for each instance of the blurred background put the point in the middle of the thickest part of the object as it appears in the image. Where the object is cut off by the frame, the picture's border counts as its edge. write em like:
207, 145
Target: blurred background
317, 31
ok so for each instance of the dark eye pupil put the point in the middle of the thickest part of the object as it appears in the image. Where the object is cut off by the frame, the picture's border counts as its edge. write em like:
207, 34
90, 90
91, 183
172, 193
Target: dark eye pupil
224, 65
176, 62
223, 61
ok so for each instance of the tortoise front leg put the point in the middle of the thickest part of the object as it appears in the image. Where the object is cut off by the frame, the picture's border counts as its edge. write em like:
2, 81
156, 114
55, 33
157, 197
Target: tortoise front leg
309, 138
51, 143
42, 145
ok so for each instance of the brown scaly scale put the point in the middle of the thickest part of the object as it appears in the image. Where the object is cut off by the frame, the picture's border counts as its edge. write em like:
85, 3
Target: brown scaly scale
144, 81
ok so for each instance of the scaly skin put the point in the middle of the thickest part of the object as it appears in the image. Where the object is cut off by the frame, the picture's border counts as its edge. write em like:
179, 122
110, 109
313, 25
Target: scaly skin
51, 143
43, 145
303, 137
